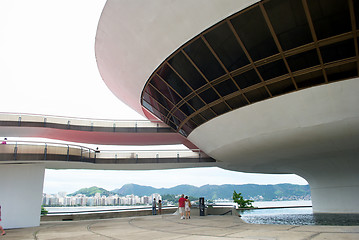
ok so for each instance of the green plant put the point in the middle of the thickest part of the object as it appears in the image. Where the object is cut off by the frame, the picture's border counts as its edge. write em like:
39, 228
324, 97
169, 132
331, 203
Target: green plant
43, 211
238, 198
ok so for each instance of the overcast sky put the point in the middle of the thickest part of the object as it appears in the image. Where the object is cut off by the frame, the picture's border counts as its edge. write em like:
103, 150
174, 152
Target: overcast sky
48, 66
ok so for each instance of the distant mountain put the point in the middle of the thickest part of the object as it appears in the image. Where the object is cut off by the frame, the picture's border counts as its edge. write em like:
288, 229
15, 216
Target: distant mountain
254, 191
139, 190
135, 189
90, 192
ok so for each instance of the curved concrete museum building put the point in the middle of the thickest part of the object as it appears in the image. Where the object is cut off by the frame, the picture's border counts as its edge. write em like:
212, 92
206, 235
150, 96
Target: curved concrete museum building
259, 86
265, 87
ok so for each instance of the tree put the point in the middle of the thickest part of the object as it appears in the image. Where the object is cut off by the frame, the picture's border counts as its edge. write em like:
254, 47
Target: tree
237, 198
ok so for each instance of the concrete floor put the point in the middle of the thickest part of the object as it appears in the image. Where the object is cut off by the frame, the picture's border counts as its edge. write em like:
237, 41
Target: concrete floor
171, 227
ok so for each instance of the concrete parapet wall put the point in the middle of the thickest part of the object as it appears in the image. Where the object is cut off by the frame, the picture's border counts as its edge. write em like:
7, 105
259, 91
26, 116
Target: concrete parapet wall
103, 215
222, 211
135, 213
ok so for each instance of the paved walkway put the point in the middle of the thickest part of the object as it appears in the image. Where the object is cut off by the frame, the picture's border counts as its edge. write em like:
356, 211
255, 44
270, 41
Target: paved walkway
171, 227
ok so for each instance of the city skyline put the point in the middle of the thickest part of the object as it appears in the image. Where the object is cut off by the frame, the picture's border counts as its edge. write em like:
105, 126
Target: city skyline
49, 67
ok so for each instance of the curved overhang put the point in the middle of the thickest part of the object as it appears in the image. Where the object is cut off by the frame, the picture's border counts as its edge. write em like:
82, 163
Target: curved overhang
134, 37
220, 73
282, 134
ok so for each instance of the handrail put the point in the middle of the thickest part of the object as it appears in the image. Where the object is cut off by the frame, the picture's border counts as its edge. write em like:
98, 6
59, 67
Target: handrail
79, 118
45, 120
104, 150
46, 143
50, 151
154, 150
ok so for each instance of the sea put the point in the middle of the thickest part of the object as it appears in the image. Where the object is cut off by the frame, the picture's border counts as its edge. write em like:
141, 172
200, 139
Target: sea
295, 213
267, 212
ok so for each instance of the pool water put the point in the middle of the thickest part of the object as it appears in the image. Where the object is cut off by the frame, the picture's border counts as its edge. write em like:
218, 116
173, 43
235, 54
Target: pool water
297, 216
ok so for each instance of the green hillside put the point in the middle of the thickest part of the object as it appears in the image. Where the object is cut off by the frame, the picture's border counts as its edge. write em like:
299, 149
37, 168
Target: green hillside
257, 192
90, 192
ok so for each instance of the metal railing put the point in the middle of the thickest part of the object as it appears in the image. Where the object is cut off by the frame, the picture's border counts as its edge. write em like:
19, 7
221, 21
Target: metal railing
85, 124
45, 151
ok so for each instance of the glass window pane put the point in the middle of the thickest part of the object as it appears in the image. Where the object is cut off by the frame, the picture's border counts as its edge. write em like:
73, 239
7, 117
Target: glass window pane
330, 17
198, 120
356, 12
196, 102
147, 105
254, 33
163, 110
191, 124
237, 102
281, 87
172, 125
154, 103
209, 95
342, 72
272, 70
226, 87
165, 89
247, 79
257, 95
187, 128
174, 81
188, 72
204, 59
289, 22
208, 114
174, 119
337, 51
309, 79
220, 108
227, 48
146, 97
159, 97
153, 110
186, 109
180, 115
303, 60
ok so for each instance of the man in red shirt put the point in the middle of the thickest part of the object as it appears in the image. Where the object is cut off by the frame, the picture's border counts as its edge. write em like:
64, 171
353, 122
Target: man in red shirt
181, 204
1, 228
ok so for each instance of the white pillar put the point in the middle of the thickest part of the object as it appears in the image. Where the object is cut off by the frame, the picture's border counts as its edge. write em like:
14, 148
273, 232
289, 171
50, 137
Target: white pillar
334, 183
21, 187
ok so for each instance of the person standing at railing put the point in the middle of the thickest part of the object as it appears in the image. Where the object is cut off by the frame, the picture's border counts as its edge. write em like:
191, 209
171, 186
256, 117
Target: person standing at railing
159, 207
154, 206
181, 205
1, 228
187, 208
4, 141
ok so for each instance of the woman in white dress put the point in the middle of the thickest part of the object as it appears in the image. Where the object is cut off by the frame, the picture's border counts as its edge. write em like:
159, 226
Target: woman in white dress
187, 208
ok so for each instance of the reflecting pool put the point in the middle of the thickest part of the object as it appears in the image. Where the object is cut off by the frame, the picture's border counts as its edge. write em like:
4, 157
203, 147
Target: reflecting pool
297, 216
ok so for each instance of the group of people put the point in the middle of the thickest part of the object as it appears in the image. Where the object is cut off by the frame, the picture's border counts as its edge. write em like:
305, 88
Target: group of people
154, 205
184, 207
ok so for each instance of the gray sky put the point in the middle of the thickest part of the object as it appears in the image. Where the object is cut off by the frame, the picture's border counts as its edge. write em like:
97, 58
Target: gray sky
48, 66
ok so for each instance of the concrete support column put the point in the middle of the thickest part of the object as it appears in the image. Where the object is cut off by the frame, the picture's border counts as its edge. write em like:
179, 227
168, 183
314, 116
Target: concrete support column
334, 184
21, 194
